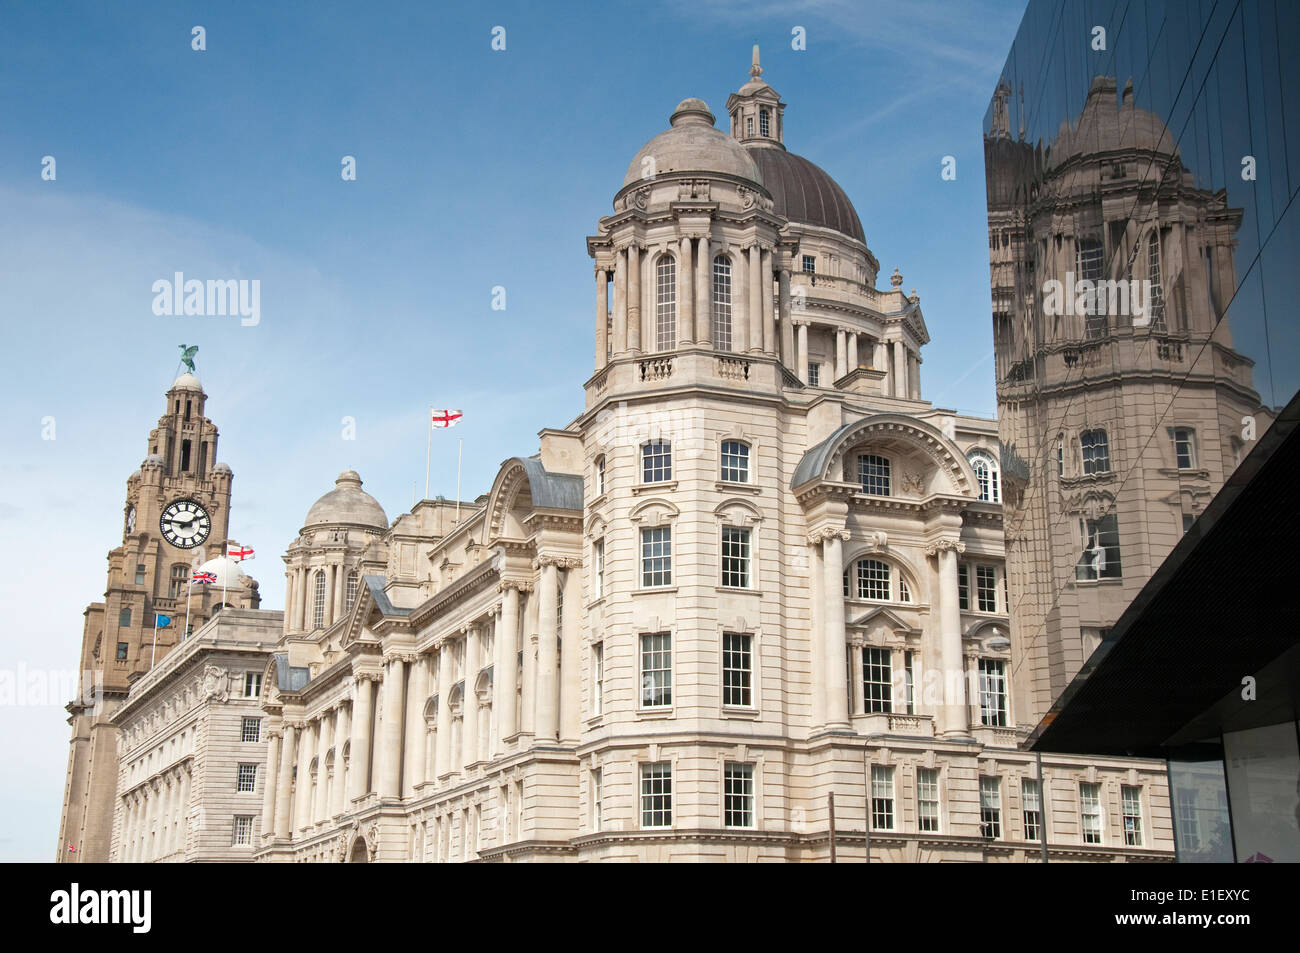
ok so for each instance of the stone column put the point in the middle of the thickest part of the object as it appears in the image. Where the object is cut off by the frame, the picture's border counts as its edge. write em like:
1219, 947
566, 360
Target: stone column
296, 607
442, 753
469, 720
505, 679
390, 749
900, 369
320, 810
284, 783
620, 302
803, 352
841, 354
703, 292
634, 298
602, 317
880, 359
835, 682
913, 377
769, 323
755, 298
183, 817
417, 693
330, 574
685, 294
302, 786
290, 580
528, 640
952, 713
340, 585
547, 718
739, 302
571, 656
362, 712
342, 729
787, 329
853, 351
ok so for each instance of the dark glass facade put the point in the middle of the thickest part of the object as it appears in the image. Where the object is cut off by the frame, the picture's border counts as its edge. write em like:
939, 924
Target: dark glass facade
1142, 161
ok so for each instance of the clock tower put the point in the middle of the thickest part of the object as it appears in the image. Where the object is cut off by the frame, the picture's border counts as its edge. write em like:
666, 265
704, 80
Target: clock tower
174, 522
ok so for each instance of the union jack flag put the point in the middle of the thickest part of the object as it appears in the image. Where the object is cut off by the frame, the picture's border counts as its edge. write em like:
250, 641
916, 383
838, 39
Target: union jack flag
204, 578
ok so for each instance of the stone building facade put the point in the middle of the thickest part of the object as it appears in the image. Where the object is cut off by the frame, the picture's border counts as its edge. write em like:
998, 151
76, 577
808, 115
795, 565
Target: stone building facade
756, 573
174, 522
192, 753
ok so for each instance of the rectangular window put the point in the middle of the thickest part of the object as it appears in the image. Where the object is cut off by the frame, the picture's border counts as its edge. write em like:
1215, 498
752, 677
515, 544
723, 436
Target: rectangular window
872, 579
247, 778
1131, 802
1094, 446
1185, 448
598, 679
814, 375
139, 574
873, 474
722, 303
877, 680
656, 556
1090, 809
243, 834
986, 592
963, 586
600, 475
250, 729
737, 669
124, 619
738, 795
809, 264
909, 681
657, 794
657, 462
666, 303
1060, 456
252, 684
927, 799
598, 577
180, 579
735, 462
121, 651
763, 127
882, 797
990, 807
735, 557
1032, 809
993, 692
656, 670
1100, 557
1089, 260
597, 799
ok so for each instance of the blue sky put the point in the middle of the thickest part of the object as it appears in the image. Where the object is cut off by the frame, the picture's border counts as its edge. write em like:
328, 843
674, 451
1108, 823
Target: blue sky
475, 169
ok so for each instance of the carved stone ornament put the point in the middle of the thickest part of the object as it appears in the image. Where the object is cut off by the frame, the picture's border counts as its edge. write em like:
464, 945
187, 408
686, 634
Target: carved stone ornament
637, 199
216, 683
945, 544
747, 197
828, 532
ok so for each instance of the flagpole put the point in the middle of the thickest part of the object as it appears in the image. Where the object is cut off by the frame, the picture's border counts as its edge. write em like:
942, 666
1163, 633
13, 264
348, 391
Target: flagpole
153, 655
428, 449
460, 448
188, 589
225, 576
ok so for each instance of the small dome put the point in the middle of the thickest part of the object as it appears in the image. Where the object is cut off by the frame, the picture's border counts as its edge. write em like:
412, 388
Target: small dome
153, 460
347, 503
804, 193
135, 476
221, 468
692, 145
187, 381
228, 572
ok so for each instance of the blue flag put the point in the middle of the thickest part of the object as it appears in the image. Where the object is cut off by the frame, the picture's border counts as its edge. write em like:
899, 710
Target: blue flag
163, 621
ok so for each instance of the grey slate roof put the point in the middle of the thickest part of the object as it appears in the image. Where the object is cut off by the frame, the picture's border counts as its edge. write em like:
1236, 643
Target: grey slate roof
376, 586
290, 678
553, 491
814, 462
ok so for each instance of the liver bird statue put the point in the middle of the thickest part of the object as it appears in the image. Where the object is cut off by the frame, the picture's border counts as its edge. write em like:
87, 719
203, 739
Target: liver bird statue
187, 356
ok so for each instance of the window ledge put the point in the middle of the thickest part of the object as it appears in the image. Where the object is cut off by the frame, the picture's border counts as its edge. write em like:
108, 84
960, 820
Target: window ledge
665, 485
655, 713
725, 486
1108, 581
732, 711
653, 590
738, 589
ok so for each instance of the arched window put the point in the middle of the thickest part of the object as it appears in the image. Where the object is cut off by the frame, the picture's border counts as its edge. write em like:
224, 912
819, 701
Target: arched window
318, 601
656, 461
764, 127
873, 474
1095, 449
986, 476
665, 303
878, 580
600, 475
722, 303
353, 579
735, 462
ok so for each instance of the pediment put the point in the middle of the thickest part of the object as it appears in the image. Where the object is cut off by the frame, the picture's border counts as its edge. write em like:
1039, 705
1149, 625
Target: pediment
886, 617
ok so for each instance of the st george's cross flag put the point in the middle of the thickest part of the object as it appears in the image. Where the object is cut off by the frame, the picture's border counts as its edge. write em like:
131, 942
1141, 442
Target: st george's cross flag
241, 553
442, 419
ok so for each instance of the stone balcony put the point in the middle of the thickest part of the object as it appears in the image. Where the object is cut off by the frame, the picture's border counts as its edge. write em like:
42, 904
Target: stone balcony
689, 366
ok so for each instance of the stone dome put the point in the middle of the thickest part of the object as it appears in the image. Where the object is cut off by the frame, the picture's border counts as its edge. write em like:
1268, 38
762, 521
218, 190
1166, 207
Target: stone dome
229, 573
692, 144
1109, 123
347, 503
221, 468
803, 193
187, 381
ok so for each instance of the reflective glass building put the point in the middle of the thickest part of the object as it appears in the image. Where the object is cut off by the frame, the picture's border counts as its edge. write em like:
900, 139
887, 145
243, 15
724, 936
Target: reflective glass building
1142, 159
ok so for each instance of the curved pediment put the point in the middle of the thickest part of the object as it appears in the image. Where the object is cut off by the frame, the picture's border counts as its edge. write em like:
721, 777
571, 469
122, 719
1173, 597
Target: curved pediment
737, 512
826, 460
654, 512
523, 485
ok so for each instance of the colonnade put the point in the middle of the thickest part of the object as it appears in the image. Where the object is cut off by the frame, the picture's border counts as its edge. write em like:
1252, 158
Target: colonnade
153, 816
430, 717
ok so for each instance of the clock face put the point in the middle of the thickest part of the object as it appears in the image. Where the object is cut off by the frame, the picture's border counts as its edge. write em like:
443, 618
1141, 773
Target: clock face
185, 524
130, 520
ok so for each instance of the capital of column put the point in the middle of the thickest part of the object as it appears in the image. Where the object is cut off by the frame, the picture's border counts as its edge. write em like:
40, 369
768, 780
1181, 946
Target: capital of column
519, 585
361, 677
407, 657
943, 544
558, 561
818, 536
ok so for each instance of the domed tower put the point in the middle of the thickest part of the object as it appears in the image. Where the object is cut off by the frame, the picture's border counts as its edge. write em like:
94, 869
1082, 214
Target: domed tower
326, 561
